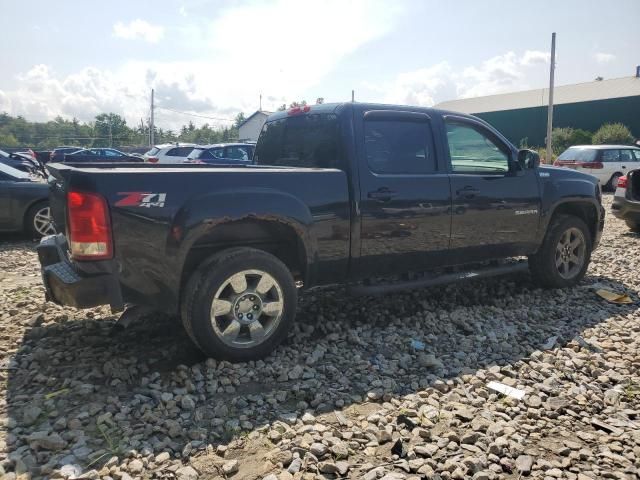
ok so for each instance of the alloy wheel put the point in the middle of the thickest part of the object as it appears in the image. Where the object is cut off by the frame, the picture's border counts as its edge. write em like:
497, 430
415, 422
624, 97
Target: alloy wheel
247, 308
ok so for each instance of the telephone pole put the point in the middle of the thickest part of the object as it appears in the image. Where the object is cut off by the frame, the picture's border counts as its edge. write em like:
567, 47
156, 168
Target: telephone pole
151, 127
550, 108
110, 134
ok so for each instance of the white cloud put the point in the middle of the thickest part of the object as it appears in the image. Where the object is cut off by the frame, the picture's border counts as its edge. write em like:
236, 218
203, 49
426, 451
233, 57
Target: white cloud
499, 74
535, 57
138, 29
282, 63
604, 57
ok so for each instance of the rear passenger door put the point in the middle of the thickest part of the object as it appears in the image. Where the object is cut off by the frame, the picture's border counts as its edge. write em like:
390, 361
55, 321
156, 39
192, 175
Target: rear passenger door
496, 203
405, 198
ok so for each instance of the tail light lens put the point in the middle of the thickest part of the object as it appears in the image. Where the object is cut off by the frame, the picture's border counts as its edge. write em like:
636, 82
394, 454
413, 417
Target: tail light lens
556, 163
89, 226
622, 182
595, 165
152, 159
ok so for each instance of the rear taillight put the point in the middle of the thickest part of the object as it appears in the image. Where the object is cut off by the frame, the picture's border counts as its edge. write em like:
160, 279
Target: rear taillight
622, 182
556, 163
89, 226
152, 159
595, 165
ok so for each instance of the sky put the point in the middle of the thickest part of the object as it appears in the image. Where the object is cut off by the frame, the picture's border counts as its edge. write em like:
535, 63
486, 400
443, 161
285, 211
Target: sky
213, 59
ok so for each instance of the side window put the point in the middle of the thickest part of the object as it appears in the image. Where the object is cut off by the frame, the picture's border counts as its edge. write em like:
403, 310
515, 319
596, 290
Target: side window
610, 156
637, 155
626, 156
237, 153
179, 152
111, 153
398, 146
474, 151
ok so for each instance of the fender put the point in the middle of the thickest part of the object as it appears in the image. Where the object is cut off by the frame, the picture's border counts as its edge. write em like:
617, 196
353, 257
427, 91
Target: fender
561, 187
201, 215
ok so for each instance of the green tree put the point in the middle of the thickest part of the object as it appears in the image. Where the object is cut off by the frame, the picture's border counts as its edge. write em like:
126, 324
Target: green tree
613, 133
8, 140
239, 120
111, 129
563, 138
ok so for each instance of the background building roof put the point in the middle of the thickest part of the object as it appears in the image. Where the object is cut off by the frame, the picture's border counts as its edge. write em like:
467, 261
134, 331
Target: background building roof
579, 92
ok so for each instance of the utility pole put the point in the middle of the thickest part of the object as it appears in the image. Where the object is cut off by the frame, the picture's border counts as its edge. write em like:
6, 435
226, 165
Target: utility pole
110, 134
151, 127
353, 96
550, 108
260, 109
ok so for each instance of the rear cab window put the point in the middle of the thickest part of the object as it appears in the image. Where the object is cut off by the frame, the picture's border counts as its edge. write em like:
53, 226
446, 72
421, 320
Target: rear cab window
310, 140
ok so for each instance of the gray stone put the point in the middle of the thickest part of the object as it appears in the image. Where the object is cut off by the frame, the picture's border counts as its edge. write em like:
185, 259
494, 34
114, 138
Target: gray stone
30, 414
186, 473
231, 467
524, 463
318, 449
46, 441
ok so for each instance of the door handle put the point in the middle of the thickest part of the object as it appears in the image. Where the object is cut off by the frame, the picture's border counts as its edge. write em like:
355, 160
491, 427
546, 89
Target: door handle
467, 192
382, 195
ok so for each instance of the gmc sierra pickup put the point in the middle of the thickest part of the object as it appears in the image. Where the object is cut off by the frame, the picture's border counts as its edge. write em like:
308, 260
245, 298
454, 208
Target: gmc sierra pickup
340, 194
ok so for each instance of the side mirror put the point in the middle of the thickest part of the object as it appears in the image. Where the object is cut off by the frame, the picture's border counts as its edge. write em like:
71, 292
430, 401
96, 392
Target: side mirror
528, 158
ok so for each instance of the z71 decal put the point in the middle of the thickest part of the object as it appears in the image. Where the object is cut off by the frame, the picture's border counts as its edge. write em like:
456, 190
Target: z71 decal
141, 199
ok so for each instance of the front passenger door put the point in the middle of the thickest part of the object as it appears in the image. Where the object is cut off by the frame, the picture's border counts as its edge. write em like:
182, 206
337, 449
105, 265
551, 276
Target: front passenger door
496, 202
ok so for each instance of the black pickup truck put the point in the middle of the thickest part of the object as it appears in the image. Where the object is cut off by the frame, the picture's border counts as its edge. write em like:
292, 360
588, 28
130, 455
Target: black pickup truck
340, 194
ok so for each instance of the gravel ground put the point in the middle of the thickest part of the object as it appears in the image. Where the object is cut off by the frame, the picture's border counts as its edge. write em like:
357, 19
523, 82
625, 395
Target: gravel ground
351, 395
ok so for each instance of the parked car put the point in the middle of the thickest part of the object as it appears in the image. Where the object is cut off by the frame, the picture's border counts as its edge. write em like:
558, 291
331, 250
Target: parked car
24, 202
605, 162
21, 162
169, 153
57, 154
626, 200
339, 193
222, 153
99, 155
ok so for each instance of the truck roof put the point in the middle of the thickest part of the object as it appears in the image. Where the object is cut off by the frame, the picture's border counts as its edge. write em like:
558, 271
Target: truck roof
336, 107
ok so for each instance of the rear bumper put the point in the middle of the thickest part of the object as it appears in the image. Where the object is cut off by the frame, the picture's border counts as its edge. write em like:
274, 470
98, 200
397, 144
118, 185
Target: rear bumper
75, 284
624, 208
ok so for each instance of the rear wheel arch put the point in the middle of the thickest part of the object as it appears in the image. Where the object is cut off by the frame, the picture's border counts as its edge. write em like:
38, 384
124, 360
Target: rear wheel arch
274, 237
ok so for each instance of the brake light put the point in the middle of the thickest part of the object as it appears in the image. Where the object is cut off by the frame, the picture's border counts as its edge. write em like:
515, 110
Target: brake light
556, 163
298, 110
152, 159
595, 165
622, 182
89, 226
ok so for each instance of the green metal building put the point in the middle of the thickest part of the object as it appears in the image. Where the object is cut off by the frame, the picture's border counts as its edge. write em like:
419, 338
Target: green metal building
522, 116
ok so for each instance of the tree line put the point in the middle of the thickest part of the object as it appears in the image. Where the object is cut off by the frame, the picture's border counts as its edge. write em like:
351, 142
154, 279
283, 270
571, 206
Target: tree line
107, 129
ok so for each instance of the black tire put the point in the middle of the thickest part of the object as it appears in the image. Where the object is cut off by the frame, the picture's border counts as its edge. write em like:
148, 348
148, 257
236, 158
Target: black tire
633, 226
30, 220
613, 182
542, 265
211, 277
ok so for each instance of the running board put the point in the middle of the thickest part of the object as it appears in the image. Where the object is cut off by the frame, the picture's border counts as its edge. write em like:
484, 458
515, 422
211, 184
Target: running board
432, 281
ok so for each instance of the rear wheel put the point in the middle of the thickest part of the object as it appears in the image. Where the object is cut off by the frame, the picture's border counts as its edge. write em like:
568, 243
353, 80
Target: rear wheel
633, 226
38, 221
613, 181
565, 253
240, 304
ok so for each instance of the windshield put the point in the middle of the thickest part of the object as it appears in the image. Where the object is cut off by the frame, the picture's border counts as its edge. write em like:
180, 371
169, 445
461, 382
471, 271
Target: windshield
579, 154
14, 172
153, 151
300, 141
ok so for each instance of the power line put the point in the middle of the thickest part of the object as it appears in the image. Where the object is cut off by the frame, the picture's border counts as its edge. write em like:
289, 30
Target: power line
195, 114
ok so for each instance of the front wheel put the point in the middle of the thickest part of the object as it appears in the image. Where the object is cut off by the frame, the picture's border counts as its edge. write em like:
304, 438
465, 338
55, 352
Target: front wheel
565, 253
240, 304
